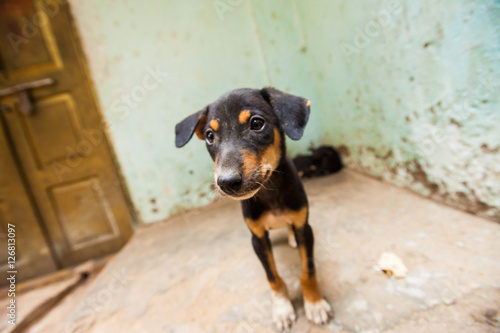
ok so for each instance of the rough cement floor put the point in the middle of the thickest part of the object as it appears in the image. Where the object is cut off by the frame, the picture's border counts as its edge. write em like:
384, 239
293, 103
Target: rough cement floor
197, 272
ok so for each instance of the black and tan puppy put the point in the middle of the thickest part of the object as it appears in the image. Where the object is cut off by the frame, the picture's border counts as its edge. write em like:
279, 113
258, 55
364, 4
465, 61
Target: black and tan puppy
244, 133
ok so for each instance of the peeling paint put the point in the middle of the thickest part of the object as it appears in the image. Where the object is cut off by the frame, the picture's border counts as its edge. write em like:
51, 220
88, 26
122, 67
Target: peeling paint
412, 175
418, 105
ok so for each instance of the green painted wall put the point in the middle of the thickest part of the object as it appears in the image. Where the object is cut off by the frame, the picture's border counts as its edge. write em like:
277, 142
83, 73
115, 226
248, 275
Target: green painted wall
410, 96
409, 90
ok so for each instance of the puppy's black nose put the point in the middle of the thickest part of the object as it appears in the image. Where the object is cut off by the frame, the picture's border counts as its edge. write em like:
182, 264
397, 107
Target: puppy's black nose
230, 182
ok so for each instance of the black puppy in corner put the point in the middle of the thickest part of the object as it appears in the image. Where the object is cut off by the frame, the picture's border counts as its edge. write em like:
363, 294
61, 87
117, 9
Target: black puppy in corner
244, 133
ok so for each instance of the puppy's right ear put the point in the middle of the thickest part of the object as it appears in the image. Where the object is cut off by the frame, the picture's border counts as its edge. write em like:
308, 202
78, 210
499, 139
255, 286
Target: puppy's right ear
185, 129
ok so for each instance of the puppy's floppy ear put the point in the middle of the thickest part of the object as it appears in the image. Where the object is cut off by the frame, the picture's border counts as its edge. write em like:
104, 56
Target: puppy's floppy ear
292, 111
185, 129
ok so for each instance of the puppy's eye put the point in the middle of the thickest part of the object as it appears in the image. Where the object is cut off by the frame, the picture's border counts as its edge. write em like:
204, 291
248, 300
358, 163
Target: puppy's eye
209, 136
257, 123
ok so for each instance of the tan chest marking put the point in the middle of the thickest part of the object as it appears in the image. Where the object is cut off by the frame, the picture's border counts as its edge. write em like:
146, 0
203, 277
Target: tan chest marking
276, 221
270, 220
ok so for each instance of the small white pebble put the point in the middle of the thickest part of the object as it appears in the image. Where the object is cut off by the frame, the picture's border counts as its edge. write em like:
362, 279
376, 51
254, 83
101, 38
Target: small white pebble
389, 306
460, 244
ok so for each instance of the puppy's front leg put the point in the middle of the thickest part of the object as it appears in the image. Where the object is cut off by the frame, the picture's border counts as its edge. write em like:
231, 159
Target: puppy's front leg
317, 309
283, 312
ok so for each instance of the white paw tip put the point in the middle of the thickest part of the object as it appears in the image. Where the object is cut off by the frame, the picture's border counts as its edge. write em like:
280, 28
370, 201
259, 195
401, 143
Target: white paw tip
283, 313
318, 312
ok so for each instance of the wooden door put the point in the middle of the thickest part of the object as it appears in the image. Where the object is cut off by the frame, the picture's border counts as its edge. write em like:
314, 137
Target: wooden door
33, 256
61, 145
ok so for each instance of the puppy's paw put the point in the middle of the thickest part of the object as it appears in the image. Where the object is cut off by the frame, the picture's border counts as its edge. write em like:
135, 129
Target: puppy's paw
318, 312
283, 313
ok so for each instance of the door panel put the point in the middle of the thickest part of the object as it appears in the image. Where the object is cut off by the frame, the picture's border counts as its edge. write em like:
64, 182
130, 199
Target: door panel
84, 213
45, 139
61, 146
28, 45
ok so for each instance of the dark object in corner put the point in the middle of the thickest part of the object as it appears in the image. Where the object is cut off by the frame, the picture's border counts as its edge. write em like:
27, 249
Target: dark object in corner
323, 161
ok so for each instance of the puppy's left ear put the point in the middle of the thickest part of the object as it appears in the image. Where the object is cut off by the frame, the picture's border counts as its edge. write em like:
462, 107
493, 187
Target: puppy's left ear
190, 125
292, 111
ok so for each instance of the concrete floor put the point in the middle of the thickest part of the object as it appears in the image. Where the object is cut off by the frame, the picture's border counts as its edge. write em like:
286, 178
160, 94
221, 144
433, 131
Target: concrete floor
197, 272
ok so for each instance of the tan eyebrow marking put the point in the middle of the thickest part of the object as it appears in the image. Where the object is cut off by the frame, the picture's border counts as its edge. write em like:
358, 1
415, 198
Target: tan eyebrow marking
214, 124
244, 115
308, 103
